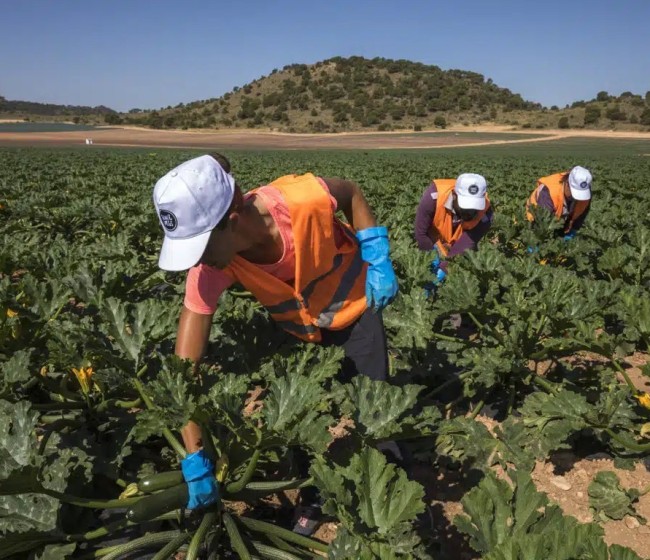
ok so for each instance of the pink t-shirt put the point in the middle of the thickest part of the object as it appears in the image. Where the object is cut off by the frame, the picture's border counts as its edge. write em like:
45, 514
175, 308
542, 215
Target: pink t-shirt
205, 284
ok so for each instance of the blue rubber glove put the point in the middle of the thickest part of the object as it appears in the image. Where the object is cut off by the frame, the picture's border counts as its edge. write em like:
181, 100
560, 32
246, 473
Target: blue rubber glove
440, 276
569, 236
198, 472
381, 284
435, 263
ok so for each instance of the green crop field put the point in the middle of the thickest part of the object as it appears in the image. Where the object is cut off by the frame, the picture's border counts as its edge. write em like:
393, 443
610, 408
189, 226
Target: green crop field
91, 399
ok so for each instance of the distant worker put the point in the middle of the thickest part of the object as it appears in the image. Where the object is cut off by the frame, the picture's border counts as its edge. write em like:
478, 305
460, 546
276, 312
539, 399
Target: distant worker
452, 217
566, 195
320, 279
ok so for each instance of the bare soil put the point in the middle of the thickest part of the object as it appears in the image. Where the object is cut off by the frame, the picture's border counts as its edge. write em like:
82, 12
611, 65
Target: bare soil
245, 139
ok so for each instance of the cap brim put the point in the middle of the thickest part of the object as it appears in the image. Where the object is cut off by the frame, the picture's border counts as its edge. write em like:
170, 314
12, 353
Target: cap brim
580, 194
471, 202
182, 254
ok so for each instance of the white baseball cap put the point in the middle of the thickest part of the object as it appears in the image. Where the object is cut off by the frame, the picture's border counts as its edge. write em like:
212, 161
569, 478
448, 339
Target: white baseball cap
580, 183
471, 189
191, 200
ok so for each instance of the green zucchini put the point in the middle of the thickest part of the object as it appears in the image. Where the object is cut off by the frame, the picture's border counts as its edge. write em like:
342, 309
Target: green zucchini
273, 553
236, 540
285, 534
256, 490
148, 541
160, 481
172, 547
209, 519
152, 506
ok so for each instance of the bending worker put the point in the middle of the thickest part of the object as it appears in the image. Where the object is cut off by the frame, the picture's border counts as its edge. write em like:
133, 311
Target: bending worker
452, 217
321, 280
566, 195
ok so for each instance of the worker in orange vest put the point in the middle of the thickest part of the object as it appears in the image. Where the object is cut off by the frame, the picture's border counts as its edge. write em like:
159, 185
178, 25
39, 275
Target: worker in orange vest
321, 280
452, 217
566, 195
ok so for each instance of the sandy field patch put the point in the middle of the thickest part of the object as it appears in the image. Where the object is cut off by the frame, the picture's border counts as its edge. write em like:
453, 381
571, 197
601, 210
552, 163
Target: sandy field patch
245, 139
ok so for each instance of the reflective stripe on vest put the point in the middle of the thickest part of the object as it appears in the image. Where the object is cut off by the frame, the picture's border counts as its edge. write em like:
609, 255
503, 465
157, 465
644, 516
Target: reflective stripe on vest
328, 290
442, 225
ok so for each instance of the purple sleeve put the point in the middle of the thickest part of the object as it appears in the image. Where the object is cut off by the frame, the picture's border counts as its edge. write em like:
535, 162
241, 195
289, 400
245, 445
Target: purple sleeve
424, 217
544, 200
470, 238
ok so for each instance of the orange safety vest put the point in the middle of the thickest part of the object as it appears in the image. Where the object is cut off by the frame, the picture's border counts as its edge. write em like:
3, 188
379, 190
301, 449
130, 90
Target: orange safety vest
442, 226
328, 289
555, 185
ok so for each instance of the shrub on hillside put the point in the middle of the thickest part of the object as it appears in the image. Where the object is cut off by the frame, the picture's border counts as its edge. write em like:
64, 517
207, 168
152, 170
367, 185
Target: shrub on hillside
440, 122
645, 117
592, 114
563, 122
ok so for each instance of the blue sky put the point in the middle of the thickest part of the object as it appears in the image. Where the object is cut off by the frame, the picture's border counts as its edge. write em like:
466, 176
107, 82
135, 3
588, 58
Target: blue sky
150, 54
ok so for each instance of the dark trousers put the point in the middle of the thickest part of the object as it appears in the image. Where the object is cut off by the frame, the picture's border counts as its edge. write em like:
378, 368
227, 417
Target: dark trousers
364, 343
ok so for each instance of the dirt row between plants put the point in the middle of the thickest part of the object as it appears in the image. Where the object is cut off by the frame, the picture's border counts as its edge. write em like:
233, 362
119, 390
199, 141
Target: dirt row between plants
238, 139
565, 478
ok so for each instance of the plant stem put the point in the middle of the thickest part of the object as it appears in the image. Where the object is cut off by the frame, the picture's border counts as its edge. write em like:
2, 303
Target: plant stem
446, 384
447, 338
453, 403
628, 445
477, 410
511, 398
239, 485
166, 431
544, 384
622, 371
478, 324
116, 403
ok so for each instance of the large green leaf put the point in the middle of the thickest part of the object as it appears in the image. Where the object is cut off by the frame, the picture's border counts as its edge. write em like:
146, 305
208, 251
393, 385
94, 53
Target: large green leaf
516, 522
133, 329
382, 411
369, 495
551, 419
385, 495
608, 500
15, 370
295, 409
465, 439
18, 445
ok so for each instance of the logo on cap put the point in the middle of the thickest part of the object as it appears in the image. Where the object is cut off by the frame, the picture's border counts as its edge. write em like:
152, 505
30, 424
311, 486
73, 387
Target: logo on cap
168, 220
473, 189
584, 185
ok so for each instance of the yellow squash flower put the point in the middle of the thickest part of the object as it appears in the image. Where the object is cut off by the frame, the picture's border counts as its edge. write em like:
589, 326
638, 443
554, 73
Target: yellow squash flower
644, 400
11, 313
84, 376
645, 429
222, 468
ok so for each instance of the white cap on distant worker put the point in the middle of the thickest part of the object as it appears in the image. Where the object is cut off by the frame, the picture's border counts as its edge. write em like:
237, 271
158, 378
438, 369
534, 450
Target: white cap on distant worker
471, 189
191, 200
580, 183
